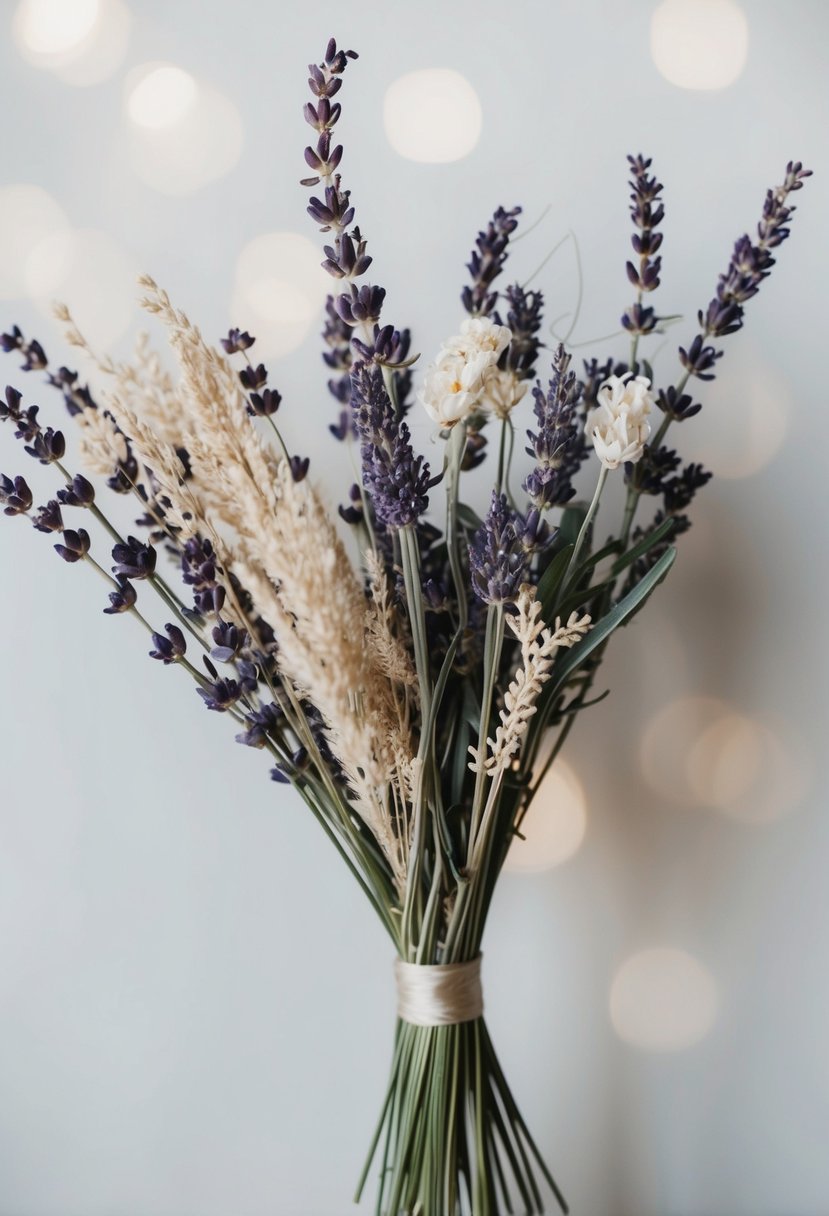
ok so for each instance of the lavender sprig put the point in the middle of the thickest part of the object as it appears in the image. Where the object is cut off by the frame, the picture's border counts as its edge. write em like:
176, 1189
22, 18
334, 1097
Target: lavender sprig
486, 262
523, 318
499, 557
396, 479
557, 444
750, 264
647, 212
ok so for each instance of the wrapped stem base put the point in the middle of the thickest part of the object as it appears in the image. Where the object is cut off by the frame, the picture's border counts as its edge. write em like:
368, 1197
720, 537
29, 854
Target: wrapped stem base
450, 1140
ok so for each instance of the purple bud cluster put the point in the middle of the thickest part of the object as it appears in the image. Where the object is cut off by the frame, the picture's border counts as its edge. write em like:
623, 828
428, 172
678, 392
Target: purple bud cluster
15, 495
76, 397
337, 355
524, 320
647, 212
76, 545
486, 261
396, 479
171, 648
500, 552
49, 518
557, 443
133, 559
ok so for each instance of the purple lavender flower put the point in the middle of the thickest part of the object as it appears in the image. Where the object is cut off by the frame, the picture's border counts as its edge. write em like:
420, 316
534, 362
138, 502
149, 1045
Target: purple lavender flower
220, 695
680, 491
647, 213
353, 514
123, 599
498, 558
171, 648
397, 480
210, 601
237, 340
557, 443
76, 545
337, 338
198, 563
49, 518
16, 495
33, 355
264, 404
79, 493
361, 305
47, 446
28, 427
10, 408
653, 469
524, 320
677, 405
261, 723
299, 466
486, 262
229, 639
134, 559
254, 378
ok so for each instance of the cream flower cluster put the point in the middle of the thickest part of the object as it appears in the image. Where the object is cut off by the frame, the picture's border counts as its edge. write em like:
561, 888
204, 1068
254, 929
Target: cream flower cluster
619, 425
456, 383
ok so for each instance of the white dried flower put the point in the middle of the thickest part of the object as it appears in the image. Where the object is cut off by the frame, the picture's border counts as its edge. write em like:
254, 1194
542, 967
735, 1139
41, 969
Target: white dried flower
502, 391
454, 384
619, 425
479, 335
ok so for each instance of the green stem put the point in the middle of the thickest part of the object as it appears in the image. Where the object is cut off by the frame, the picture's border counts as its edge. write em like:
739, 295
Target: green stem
454, 459
588, 519
493, 643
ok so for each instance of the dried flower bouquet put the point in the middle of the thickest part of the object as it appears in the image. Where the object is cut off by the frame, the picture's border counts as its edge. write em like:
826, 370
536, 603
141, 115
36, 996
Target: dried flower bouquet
415, 699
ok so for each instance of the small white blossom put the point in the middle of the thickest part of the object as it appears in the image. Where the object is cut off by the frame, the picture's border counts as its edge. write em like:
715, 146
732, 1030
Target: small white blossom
454, 385
479, 335
619, 425
502, 391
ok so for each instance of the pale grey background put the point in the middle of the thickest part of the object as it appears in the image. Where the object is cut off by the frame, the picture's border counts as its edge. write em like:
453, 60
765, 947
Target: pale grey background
195, 1005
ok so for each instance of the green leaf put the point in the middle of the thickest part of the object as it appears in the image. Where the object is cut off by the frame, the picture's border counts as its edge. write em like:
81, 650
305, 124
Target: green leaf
469, 518
576, 598
616, 617
550, 582
646, 543
572, 519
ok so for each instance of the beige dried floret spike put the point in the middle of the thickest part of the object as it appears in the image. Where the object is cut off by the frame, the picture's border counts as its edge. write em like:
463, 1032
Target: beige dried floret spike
538, 650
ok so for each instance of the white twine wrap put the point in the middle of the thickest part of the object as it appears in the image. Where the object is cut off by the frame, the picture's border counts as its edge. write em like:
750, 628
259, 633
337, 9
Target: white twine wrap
439, 994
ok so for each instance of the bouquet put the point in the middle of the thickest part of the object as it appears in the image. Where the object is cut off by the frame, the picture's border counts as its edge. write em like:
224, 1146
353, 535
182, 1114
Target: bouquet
410, 666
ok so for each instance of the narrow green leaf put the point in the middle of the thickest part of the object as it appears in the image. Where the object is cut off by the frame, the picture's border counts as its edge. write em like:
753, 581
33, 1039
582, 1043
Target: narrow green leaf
572, 519
646, 543
616, 617
550, 581
469, 518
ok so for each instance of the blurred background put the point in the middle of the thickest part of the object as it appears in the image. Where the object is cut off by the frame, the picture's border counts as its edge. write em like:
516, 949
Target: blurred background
196, 1007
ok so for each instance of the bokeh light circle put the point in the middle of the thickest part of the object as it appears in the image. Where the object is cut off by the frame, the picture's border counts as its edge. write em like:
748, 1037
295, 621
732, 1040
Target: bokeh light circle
279, 291
82, 42
48, 28
160, 94
432, 116
28, 216
699, 44
703, 752
662, 1000
182, 134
